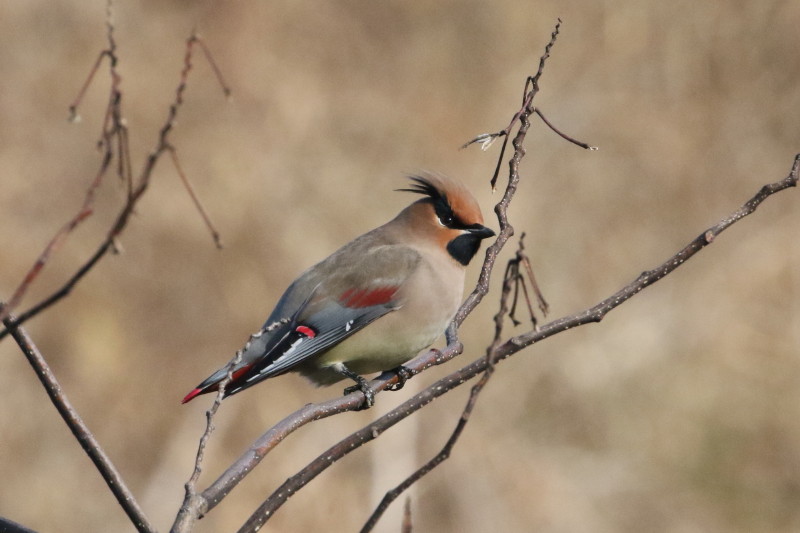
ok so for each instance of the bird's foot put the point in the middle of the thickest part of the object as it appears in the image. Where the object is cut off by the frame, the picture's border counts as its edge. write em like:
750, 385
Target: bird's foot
361, 385
403, 375
369, 394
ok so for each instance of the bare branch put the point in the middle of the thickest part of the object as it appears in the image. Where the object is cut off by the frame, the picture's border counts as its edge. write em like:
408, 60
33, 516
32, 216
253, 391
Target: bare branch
113, 115
206, 52
73, 107
191, 504
82, 433
114, 134
515, 275
544, 307
562, 134
189, 189
114, 144
60, 293
647, 278
529, 92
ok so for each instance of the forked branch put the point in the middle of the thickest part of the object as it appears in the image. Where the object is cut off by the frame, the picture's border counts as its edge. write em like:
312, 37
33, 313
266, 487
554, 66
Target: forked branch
114, 146
114, 143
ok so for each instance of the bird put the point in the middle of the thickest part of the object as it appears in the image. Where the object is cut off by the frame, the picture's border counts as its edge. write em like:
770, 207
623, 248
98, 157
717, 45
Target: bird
373, 304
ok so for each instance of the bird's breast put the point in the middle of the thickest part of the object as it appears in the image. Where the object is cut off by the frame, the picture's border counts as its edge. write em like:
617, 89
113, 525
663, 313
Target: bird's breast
427, 303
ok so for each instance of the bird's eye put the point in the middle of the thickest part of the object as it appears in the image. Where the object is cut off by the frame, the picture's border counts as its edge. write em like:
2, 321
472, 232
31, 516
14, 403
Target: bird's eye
444, 212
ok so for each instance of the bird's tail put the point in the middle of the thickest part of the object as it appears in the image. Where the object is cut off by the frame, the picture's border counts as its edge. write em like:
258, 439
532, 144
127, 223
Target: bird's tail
211, 383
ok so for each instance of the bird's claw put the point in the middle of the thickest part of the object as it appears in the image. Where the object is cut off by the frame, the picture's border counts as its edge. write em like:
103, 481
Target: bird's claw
403, 375
369, 394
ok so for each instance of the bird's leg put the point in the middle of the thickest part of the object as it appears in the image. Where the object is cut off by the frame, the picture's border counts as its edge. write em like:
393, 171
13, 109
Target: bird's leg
403, 375
363, 385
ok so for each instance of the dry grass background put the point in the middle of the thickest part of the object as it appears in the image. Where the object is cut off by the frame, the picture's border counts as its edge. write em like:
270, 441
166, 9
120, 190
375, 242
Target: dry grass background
680, 412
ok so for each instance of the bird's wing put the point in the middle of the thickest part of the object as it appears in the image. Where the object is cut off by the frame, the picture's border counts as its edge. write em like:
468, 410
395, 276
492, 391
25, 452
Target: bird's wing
335, 303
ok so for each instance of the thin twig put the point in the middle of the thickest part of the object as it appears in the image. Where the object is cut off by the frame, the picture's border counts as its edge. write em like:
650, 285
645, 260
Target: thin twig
217, 72
189, 509
544, 307
528, 93
114, 128
73, 107
113, 143
198, 205
86, 209
62, 292
193, 503
563, 135
513, 272
82, 433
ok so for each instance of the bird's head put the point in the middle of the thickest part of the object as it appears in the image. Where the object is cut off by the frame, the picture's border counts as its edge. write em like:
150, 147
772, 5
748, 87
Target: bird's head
448, 215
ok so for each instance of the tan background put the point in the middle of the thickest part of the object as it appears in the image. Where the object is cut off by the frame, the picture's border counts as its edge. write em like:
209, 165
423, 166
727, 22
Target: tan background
680, 412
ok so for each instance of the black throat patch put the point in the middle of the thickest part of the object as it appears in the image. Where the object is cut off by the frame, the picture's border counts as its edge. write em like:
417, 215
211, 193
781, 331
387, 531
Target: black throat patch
464, 247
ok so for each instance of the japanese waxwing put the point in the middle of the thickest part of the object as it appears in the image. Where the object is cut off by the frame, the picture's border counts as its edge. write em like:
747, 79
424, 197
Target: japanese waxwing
375, 303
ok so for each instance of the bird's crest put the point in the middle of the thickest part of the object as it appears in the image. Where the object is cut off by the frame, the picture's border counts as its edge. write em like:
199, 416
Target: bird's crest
453, 203
425, 186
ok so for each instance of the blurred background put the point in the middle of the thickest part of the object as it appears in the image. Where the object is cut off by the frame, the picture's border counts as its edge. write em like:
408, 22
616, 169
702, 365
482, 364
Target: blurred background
680, 412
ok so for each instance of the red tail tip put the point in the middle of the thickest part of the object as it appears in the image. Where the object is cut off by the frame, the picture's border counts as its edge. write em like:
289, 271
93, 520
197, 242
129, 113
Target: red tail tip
191, 395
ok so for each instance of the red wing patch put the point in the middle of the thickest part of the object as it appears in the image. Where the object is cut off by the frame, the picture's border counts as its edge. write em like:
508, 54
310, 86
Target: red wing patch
307, 331
358, 298
239, 373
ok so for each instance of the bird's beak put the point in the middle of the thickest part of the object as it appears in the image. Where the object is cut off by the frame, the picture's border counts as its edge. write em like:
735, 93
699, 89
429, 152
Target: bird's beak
482, 232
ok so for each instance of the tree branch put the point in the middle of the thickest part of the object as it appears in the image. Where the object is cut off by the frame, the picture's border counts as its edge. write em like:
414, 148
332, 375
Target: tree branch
78, 428
220, 488
187, 514
114, 135
647, 278
113, 125
528, 93
114, 144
